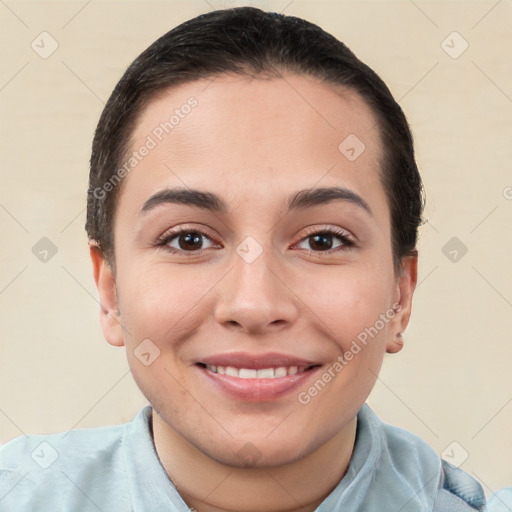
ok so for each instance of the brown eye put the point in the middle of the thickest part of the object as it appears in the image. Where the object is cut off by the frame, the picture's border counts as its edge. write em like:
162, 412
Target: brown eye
186, 241
325, 241
190, 241
321, 242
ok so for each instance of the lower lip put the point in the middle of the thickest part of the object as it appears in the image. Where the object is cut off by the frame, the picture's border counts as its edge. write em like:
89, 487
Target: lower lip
258, 390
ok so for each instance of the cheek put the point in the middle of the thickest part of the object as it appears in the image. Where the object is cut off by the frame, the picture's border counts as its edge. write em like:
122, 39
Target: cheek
352, 303
160, 304
161, 310
351, 309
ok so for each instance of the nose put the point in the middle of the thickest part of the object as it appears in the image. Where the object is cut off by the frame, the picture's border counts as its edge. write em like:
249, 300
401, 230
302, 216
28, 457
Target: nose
255, 297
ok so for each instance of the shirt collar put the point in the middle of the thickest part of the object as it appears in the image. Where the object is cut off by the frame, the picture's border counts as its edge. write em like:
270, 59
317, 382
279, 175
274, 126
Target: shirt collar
388, 467
149, 484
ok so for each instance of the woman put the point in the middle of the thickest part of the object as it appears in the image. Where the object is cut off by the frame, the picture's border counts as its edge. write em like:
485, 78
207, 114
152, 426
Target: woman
253, 210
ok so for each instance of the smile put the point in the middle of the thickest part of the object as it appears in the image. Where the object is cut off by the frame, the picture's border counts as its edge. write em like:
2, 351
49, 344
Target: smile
256, 377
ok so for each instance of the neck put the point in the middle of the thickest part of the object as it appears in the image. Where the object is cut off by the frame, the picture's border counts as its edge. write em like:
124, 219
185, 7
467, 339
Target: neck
207, 485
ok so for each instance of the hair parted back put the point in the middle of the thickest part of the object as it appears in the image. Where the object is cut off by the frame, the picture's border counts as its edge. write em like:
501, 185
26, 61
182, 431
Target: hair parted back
249, 41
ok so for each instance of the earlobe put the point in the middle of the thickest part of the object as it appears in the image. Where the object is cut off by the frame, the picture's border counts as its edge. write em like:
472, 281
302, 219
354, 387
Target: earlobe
110, 320
406, 284
396, 344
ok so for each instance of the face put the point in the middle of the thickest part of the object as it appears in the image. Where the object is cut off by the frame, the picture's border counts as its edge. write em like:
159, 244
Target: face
254, 271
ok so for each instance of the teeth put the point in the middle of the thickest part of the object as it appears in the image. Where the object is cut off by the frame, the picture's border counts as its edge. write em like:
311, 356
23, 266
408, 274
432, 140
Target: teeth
281, 372
232, 372
244, 373
266, 373
251, 373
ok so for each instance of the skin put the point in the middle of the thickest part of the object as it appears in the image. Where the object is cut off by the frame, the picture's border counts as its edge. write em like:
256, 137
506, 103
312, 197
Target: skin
254, 142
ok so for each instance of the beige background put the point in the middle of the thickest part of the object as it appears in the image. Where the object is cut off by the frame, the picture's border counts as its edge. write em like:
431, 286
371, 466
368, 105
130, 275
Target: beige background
452, 381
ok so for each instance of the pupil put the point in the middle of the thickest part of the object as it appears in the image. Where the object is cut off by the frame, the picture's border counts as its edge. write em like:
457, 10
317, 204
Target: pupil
189, 240
323, 241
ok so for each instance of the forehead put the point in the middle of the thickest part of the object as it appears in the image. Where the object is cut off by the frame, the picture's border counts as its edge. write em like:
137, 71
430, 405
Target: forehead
254, 138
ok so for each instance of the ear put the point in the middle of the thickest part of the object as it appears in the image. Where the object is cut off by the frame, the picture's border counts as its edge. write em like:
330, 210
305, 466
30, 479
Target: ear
106, 284
405, 286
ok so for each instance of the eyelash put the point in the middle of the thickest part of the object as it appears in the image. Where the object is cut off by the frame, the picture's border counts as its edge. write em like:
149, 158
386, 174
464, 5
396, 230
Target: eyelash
341, 234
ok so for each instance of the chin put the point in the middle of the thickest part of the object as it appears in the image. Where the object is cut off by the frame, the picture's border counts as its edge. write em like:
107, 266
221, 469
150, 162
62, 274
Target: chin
252, 455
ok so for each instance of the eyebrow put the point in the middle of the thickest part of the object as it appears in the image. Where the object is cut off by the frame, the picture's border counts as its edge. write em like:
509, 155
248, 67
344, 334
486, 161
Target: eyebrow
306, 198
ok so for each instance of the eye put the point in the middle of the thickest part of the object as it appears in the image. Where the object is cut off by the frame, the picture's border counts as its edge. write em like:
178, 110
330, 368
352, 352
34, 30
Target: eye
324, 240
185, 240
193, 241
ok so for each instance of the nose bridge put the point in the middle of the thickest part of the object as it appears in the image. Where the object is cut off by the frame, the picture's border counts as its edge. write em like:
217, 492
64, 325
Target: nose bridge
253, 295
252, 271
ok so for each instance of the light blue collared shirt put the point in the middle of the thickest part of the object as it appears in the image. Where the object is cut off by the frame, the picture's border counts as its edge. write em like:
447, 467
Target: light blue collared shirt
117, 469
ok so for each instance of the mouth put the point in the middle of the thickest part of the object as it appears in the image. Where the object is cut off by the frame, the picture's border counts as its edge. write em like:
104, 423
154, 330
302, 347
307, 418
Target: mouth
256, 378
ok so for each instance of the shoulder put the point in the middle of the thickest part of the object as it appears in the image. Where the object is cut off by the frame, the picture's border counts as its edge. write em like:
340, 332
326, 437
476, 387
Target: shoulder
430, 479
75, 468
42, 452
459, 489
79, 440
501, 501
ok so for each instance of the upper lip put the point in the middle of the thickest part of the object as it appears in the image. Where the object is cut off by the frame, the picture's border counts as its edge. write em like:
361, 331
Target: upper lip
256, 361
